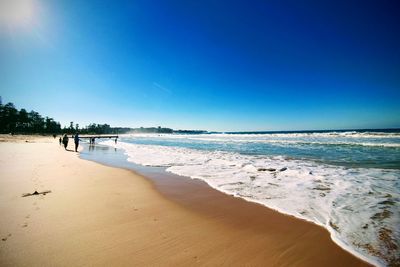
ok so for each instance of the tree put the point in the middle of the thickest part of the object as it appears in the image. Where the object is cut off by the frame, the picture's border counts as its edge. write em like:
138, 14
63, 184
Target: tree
23, 124
71, 127
9, 117
37, 122
23, 116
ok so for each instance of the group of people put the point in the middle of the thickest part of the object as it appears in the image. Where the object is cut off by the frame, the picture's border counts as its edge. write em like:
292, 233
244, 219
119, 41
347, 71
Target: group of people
65, 140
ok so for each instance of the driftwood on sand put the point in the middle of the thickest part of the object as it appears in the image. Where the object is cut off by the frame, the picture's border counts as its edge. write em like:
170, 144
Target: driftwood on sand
36, 193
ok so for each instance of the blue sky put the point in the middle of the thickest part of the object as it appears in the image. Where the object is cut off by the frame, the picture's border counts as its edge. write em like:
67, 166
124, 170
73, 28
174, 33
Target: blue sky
213, 65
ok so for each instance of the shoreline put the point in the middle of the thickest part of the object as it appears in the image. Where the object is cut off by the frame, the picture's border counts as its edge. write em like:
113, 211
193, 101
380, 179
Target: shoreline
167, 182
105, 215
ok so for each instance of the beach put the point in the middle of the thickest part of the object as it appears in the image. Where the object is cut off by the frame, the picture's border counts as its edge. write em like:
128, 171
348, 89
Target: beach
103, 216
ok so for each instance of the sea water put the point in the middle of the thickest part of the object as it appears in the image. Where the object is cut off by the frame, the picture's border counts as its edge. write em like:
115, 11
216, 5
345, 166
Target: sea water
345, 181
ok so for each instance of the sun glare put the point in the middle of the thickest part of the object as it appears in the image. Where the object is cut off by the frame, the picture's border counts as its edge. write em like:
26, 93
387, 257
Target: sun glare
16, 13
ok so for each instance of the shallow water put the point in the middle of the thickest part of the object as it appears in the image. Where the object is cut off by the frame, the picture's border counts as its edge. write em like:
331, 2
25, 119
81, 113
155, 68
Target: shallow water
348, 182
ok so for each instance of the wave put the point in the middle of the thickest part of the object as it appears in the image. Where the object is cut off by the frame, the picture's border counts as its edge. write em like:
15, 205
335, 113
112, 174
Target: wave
356, 205
386, 141
349, 134
301, 142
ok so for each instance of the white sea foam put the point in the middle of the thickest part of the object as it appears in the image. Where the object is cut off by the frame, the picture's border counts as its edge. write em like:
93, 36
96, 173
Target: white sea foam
351, 134
368, 139
355, 205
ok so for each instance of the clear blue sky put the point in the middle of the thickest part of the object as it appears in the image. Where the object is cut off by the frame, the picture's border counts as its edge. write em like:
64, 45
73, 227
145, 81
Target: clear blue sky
214, 65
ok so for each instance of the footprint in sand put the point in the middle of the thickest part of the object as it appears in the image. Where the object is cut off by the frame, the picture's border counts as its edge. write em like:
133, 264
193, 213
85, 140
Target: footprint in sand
24, 225
6, 237
28, 216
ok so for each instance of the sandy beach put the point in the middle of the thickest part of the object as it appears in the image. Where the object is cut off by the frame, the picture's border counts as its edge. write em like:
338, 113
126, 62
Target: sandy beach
102, 216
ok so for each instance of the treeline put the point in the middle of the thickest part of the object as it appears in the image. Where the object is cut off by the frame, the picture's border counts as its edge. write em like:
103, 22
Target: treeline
94, 128
158, 129
16, 121
13, 121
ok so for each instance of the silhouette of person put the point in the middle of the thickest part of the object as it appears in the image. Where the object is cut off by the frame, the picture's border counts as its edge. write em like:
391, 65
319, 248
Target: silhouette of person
65, 141
60, 140
76, 139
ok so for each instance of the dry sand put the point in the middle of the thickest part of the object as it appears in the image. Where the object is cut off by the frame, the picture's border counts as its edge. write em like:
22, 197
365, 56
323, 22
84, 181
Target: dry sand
102, 216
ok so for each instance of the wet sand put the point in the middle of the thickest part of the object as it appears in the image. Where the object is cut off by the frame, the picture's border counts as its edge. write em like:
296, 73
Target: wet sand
99, 215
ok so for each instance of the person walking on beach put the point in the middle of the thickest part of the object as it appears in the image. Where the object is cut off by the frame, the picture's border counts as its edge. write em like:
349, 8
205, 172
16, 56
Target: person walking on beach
60, 140
76, 139
65, 141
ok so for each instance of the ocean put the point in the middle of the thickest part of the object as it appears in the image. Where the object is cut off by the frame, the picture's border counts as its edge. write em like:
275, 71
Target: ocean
345, 181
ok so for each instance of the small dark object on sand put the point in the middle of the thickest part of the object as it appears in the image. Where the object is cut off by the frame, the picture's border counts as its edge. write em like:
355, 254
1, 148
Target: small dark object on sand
36, 193
283, 169
266, 169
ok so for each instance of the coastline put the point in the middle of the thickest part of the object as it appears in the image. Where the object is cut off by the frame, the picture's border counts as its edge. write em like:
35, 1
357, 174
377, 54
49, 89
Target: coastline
196, 193
101, 215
